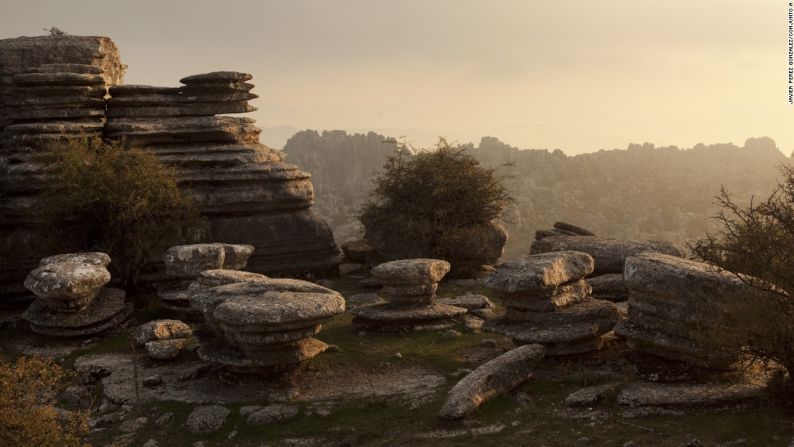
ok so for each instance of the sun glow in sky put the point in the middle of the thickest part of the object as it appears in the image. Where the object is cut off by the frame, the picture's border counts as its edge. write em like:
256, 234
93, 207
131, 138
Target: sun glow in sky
570, 74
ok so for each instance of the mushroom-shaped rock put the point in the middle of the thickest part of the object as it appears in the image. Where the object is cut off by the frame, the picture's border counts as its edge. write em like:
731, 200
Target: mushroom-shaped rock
411, 271
493, 378
266, 326
187, 261
540, 273
67, 285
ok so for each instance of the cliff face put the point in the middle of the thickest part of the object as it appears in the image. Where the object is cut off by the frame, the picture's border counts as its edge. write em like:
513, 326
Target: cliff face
246, 191
53, 88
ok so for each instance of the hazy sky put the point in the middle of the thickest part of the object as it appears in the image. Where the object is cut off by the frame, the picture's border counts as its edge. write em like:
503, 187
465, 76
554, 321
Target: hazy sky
570, 74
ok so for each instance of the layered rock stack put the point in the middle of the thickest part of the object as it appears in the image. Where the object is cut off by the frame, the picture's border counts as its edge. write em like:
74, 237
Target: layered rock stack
185, 263
681, 310
246, 191
266, 326
72, 299
409, 286
685, 320
609, 255
548, 302
52, 89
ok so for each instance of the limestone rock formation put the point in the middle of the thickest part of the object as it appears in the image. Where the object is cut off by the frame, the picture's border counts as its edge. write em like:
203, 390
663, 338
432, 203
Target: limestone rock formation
265, 326
244, 189
409, 287
187, 262
498, 376
478, 305
609, 254
52, 90
548, 302
684, 310
71, 296
611, 287
162, 339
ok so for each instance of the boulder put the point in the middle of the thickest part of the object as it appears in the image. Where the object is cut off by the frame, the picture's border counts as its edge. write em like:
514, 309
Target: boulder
689, 311
357, 250
411, 271
164, 349
491, 379
538, 274
188, 261
477, 305
161, 330
207, 419
67, 285
609, 254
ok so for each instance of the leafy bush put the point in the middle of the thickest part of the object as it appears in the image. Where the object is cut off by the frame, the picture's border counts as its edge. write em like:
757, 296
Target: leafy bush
28, 388
121, 201
756, 243
434, 199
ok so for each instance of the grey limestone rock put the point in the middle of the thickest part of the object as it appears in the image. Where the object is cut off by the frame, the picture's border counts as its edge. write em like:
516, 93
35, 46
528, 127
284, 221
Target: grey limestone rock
536, 274
207, 419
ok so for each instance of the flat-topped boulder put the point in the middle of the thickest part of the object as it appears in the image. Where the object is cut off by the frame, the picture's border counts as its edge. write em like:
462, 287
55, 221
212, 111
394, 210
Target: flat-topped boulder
688, 311
411, 271
609, 254
108, 310
550, 300
72, 285
265, 326
478, 305
190, 260
162, 339
537, 274
94, 258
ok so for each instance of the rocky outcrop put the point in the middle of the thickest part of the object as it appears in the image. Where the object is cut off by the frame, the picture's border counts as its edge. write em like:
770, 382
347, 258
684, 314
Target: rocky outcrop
609, 254
409, 287
611, 287
548, 302
265, 327
244, 189
71, 296
491, 379
186, 263
685, 310
52, 89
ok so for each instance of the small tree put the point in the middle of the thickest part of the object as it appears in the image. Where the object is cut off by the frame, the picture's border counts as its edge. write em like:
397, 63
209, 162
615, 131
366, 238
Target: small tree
756, 243
431, 200
28, 389
121, 201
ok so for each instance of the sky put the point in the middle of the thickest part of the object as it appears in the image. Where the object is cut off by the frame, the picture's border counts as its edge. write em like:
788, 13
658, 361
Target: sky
570, 74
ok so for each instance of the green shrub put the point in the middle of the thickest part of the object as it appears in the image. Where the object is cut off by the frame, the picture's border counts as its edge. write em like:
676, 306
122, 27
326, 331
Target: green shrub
756, 242
120, 201
432, 200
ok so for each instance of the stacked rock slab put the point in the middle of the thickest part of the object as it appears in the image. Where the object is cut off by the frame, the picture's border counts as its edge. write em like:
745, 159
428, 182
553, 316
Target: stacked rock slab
682, 310
72, 299
52, 90
246, 191
548, 302
266, 326
186, 263
685, 315
409, 286
609, 255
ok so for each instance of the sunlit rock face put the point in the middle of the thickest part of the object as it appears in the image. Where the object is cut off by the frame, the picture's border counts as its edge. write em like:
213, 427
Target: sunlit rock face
52, 89
244, 189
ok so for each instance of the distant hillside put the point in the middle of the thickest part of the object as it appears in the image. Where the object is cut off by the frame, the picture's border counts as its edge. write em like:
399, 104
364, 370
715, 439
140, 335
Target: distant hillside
643, 192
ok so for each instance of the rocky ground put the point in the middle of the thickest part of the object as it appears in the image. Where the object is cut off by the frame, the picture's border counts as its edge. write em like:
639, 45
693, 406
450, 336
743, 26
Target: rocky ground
376, 389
